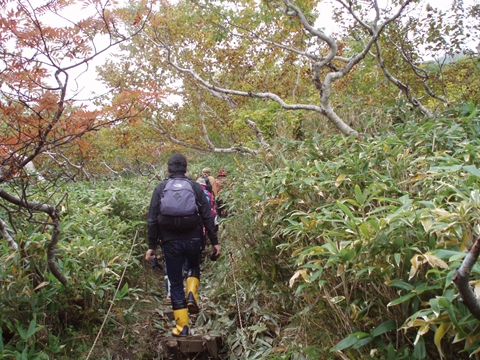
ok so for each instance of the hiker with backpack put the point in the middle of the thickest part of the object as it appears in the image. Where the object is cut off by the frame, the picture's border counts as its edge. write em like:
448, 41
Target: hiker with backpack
210, 181
178, 212
210, 199
220, 184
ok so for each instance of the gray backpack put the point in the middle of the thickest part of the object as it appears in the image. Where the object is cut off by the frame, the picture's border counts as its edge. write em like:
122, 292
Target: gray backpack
178, 206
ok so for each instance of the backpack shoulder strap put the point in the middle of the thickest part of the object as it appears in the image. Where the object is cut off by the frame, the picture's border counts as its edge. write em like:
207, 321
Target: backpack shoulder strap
162, 185
208, 183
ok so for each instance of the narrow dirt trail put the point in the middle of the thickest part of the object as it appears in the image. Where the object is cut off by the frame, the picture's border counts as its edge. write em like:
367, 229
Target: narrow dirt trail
145, 331
203, 342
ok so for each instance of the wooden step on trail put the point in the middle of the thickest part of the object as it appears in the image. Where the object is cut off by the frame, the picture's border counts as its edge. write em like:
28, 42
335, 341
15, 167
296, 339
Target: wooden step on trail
210, 345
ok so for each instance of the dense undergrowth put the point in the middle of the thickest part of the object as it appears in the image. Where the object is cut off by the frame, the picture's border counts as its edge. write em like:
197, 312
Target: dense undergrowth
102, 229
358, 240
336, 248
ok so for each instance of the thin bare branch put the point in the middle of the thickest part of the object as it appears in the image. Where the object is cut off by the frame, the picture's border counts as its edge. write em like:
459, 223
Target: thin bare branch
405, 89
6, 235
258, 133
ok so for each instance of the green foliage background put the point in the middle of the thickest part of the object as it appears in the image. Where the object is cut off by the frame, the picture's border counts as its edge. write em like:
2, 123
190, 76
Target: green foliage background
360, 239
339, 247
335, 247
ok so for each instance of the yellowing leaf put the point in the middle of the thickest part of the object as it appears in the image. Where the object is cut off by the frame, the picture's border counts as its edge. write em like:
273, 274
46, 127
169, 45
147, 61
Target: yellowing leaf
475, 197
11, 256
443, 215
339, 180
418, 177
43, 284
337, 299
476, 288
86, 250
113, 260
279, 349
439, 333
365, 229
302, 273
422, 330
465, 240
435, 261
413, 323
471, 339
416, 262
426, 223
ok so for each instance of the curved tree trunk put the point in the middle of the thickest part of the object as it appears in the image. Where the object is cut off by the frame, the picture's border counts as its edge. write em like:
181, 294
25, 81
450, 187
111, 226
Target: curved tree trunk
55, 223
55, 216
461, 280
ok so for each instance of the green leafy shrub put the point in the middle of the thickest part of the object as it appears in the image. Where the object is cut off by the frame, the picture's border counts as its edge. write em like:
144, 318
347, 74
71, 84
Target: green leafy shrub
367, 234
42, 318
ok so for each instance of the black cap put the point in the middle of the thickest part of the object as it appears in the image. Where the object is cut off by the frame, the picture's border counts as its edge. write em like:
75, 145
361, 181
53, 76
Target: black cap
177, 159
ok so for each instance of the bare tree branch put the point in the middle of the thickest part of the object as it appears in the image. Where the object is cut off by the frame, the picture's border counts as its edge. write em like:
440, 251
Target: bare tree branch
322, 80
232, 149
421, 73
405, 89
258, 132
6, 234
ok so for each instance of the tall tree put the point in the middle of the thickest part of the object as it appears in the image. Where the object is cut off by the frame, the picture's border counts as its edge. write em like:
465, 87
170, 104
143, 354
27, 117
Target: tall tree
45, 48
232, 58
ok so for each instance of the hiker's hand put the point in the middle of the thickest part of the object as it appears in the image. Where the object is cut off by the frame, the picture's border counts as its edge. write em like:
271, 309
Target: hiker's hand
149, 255
217, 250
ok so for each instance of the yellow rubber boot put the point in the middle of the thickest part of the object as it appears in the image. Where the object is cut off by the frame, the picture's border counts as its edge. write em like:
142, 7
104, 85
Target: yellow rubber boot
181, 319
192, 295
